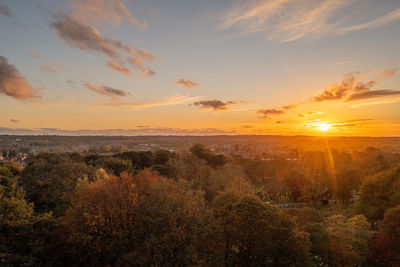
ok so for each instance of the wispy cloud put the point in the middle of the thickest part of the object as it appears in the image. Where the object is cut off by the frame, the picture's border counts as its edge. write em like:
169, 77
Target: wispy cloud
117, 67
289, 20
13, 83
137, 105
310, 114
14, 121
103, 11
55, 67
117, 132
106, 90
188, 83
89, 39
376, 23
215, 104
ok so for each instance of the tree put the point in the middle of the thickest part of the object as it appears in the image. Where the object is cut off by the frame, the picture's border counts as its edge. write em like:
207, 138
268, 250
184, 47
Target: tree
258, 234
140, 159
171, 227
387, 243
50, 180
23, 234
112, 164
320, 243
379, 193
348, 240
203, 153
101, 221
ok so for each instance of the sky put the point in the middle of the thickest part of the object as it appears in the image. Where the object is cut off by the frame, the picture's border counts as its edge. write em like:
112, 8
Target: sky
187, 67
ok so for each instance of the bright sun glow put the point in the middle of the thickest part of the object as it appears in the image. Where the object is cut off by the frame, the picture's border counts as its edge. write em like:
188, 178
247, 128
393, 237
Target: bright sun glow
323, 127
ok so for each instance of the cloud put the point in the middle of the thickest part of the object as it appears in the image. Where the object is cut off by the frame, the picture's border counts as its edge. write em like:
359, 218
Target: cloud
216, 105
310, 113
5, 10
135, 105
103, 11
289, 20
117, 67
89, 39
267, 113
118, 132
85, 37
14, 121
352, 88
71, 83
52, 68
13, 83
106, 90
372, 94
376, 23
187, 83
290, 106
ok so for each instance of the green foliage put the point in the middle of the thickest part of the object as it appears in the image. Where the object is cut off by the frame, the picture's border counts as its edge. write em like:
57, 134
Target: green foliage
203, 153
171, 227
379, 193
50, 180
387, 243
206, 210
140, 159
348, 240
22, 233
258, 234
111, 164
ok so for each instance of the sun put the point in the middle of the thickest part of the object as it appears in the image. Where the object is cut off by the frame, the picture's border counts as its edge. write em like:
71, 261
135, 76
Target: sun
323, 127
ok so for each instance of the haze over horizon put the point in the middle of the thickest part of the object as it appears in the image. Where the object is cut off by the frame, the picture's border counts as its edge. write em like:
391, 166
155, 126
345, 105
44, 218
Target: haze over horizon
262, 67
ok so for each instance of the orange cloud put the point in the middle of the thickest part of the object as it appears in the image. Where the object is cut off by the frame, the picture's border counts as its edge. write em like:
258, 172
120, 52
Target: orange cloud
117, 67
89, 39
12, 83
289, 20
187, 83
352, 88
136, 105
106, 90
99, 11
52, 68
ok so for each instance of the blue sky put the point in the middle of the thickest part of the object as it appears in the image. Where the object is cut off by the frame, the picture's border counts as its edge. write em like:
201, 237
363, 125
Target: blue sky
247, 58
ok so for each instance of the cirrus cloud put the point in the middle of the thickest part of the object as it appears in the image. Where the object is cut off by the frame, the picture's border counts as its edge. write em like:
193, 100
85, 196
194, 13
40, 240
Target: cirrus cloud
289, 20
99, 11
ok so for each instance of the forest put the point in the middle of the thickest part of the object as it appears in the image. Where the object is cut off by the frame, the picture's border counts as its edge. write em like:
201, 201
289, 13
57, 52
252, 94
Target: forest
200, 208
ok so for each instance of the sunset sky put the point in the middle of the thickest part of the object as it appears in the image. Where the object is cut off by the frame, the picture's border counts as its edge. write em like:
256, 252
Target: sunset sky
289, 67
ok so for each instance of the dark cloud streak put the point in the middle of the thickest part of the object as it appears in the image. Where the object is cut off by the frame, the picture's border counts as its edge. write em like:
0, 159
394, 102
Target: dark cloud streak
216, 105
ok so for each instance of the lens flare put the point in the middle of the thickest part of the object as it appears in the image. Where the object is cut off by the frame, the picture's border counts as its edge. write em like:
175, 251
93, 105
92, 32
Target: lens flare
323, 127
